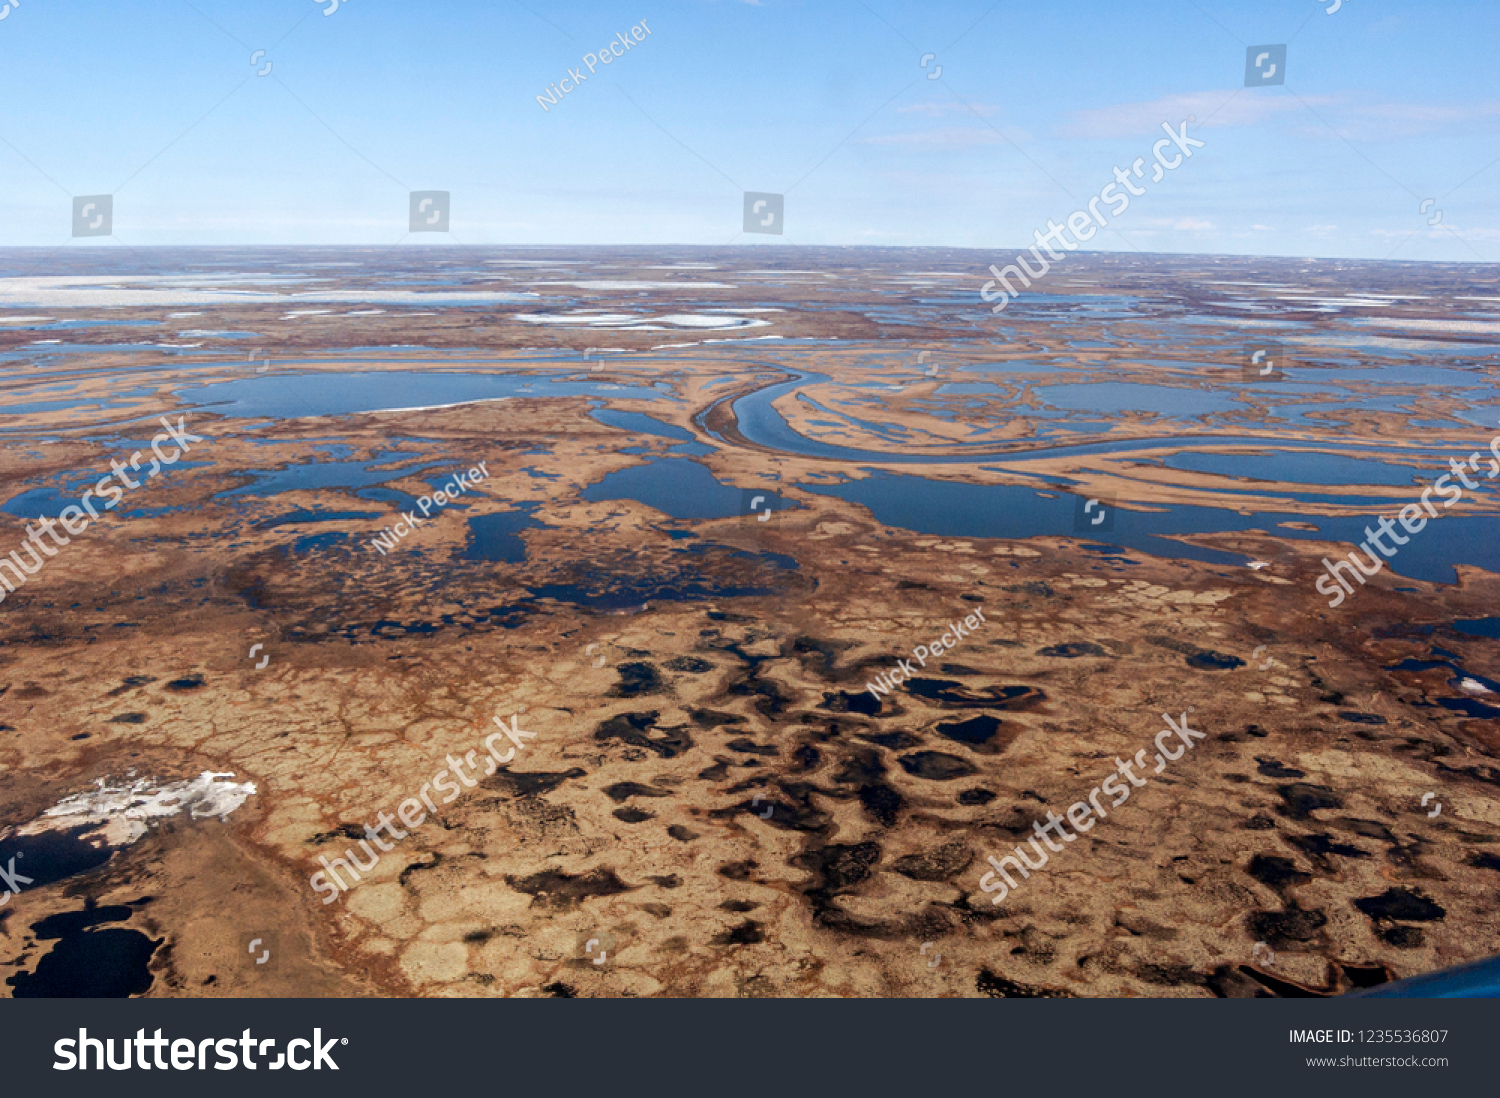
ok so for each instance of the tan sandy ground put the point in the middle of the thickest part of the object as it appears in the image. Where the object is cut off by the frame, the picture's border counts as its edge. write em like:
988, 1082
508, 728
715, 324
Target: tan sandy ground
632, 818
713, 804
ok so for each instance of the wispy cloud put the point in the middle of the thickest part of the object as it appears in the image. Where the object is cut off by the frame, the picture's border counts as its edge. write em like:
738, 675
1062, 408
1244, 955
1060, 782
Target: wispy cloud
942, 137
944, 107
1365, 121
1211, 108
1177, 224
1446, 231
1348, 116
951, 137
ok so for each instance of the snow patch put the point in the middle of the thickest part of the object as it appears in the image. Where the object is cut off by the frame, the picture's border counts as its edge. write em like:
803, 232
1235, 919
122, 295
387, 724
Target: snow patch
122, 811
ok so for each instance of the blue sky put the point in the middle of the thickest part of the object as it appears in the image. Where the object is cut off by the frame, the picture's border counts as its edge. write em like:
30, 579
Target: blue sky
1386, 103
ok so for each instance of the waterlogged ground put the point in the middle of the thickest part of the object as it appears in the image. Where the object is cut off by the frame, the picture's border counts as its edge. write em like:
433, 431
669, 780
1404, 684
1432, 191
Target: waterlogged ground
695, 547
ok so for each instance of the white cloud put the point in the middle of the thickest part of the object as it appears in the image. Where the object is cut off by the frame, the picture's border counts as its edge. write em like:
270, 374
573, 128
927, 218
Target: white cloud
1365, 121
1422, 231
1352, 117
1210, 108
947, 137
1181, 224
942, 108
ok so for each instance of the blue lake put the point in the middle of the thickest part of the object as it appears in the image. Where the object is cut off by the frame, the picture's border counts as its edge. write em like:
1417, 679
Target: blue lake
1479, 627
282, 395
1126, 396
50, 500
498, 537
761, 424
303, 517
327, 474
643, 424
1397, 373
1298, 468
957, 509
682, 489
1017, 366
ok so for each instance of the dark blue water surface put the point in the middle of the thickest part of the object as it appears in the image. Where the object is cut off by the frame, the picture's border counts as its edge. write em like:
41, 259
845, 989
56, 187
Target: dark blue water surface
327, 474
1462, 701
55, 324
64, 404
55, 855
498, 537
1299, 468
763, 425
311, 543
87, 962
957, 509
613, 593
389, 495
682, 489
1123, 396
643, 424
298, 518
1479, 627
50, 501
290, 395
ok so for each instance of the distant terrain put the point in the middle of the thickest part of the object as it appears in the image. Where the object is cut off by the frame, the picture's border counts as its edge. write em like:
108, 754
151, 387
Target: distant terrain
725, 491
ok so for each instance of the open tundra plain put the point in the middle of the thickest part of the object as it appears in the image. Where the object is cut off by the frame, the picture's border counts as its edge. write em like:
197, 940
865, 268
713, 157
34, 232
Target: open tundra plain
599, 721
